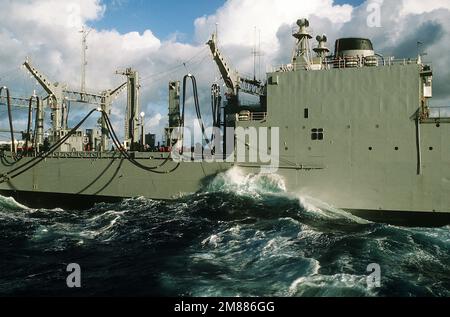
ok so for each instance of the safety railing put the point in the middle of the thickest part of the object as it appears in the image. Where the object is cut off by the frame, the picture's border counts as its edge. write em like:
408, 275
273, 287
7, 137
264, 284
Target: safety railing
439, 112
345, 62
252, 116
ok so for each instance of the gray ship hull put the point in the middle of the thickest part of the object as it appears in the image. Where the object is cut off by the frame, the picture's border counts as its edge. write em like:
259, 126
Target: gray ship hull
112, 176
79, 183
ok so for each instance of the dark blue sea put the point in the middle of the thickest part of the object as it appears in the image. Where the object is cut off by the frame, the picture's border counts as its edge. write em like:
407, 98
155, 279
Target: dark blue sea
241, 236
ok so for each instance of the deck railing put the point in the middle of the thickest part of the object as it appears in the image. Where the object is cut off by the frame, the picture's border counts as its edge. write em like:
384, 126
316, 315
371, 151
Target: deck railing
439, 112
252, 116
344, 63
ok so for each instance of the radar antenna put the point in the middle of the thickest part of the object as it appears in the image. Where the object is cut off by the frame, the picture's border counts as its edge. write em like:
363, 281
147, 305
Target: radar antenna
321, 50
302, 52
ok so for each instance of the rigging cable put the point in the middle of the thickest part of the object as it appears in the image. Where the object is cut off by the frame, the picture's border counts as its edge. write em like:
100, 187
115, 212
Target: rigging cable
41, 157
216, 101
129, 158
196, 105
30, 119
8, 102
174, 69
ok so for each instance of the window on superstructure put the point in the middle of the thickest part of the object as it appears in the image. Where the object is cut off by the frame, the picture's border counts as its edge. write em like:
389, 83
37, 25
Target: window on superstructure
306, 114
317, 134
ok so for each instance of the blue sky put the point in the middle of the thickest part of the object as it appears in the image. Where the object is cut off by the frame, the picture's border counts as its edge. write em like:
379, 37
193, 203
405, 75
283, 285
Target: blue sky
162, 17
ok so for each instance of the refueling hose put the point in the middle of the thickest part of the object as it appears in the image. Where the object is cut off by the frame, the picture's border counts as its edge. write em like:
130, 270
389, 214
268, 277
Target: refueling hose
216, 100
41, 157
197, 108
129, 158
30, 115
8, 103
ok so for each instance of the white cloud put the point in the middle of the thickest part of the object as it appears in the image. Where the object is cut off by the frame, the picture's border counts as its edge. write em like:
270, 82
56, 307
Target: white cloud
420, 6
238, 18
67, 14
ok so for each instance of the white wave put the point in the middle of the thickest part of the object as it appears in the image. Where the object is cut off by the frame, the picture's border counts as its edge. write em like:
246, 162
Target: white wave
331, 286
238, 182
308, 234
11, 203
257, 186
109, 213
92, 234
326, 210
213, 241
280, 247
235, 231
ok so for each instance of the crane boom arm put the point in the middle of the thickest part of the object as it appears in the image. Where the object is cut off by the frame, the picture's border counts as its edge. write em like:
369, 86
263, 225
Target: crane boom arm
233, 80
114, 93
230, 77
48, 86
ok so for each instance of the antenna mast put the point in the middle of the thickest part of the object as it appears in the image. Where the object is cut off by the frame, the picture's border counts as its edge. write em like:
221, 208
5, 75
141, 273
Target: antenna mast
84, 34
302, 53
257, 53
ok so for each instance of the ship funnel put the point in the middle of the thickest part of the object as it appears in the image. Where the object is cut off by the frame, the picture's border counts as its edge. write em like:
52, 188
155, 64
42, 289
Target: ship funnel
353, 47
321, 50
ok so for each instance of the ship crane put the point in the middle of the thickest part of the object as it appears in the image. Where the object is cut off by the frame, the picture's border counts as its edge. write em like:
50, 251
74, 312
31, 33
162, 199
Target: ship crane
59, 95
234, 82
59, 91
54, 91
132, 118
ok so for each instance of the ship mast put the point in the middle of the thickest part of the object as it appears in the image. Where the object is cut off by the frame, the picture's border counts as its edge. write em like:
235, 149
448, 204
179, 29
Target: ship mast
132, 120
302, 51
84, 34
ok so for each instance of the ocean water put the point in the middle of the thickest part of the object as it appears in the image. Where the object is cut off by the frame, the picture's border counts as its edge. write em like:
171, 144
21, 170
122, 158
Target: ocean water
241, 236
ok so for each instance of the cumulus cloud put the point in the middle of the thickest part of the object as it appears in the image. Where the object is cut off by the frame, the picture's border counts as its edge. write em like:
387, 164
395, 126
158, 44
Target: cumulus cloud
419, 7
237, 18
48, 32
